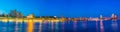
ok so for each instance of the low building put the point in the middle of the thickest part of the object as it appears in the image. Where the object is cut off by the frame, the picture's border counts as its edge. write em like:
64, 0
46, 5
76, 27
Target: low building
30, 16
48, 16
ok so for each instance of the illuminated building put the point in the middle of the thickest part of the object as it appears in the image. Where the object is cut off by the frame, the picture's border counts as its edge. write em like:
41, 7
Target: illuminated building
48, 16
114, 17
101, 18
30, 16
3, 15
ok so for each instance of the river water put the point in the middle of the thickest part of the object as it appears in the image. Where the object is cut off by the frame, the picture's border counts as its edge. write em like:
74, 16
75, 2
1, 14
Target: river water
66, 26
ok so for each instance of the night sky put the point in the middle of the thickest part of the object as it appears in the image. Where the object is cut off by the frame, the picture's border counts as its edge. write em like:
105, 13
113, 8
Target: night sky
68, 8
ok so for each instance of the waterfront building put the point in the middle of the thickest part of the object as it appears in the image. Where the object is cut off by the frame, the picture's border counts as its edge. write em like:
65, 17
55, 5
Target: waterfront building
3, 15
47, 16
14, 13
114, 17
30, 16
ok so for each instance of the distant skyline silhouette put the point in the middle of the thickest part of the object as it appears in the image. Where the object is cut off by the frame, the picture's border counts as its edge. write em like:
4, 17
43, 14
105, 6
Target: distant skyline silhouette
67, 8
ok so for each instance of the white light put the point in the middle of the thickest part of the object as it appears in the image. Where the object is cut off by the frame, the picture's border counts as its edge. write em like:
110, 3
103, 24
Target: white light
55, 16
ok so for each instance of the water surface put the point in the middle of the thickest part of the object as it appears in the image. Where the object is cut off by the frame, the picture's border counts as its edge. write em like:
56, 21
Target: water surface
66, 26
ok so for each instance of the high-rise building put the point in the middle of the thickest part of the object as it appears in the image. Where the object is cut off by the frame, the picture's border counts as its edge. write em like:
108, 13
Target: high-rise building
14, 13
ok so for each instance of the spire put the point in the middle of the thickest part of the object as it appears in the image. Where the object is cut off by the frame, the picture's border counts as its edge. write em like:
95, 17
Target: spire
101, 16
113, 15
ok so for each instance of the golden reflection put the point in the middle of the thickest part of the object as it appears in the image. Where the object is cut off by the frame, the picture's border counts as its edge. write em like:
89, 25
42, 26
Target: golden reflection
30, 25
4, 20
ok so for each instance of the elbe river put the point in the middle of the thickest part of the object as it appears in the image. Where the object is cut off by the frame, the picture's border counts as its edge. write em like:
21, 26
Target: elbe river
66, 26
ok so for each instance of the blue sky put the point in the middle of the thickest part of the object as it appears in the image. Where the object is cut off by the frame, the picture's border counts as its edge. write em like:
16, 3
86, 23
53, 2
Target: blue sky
68, 8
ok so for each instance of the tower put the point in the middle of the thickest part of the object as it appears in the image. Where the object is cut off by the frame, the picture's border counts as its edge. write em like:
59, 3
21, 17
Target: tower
101, 17
113, 17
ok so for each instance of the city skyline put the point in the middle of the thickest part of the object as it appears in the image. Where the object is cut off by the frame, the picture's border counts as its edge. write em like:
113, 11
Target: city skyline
67, 8
59, 15
16, 13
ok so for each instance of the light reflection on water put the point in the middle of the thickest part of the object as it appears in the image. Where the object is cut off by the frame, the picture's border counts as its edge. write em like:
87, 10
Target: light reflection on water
67, 26
40, 27
114, 26
96, 26
101, 26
